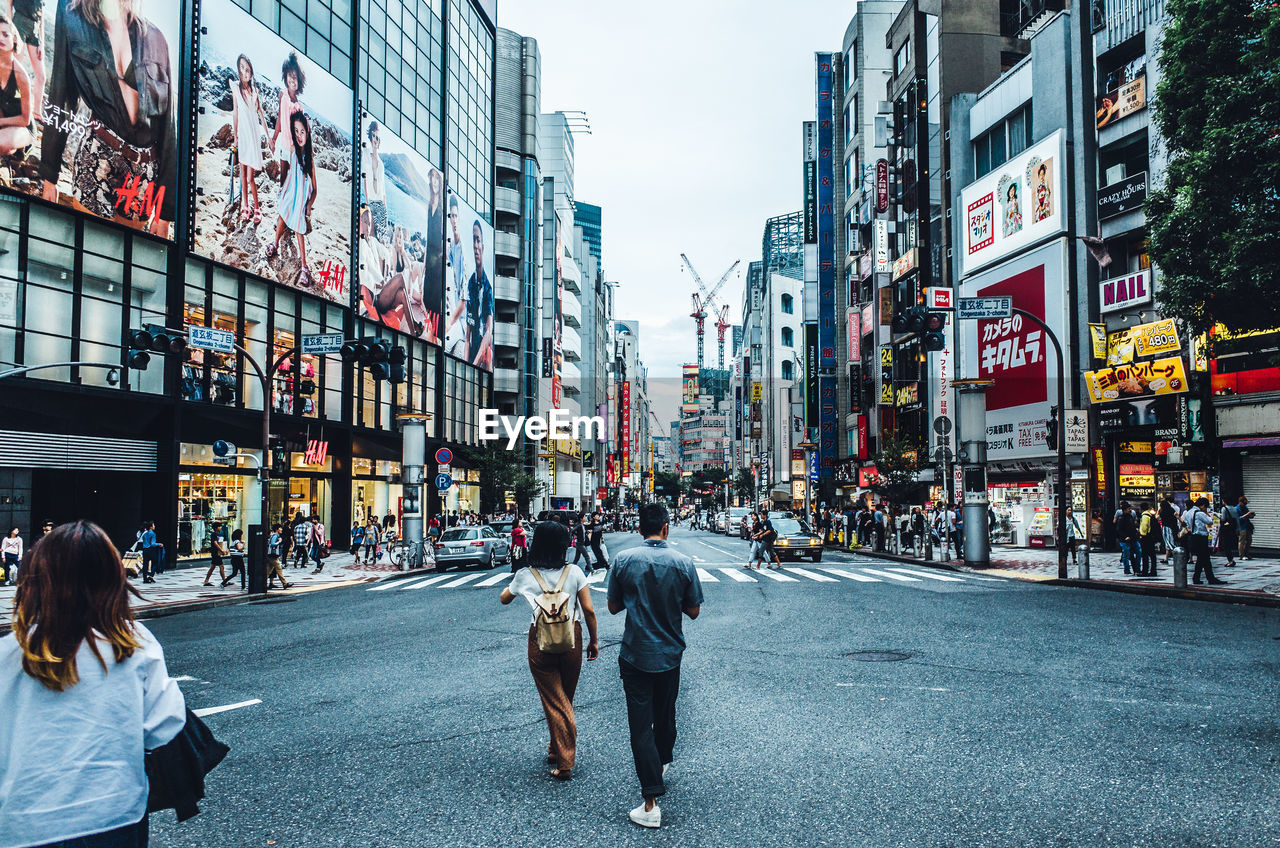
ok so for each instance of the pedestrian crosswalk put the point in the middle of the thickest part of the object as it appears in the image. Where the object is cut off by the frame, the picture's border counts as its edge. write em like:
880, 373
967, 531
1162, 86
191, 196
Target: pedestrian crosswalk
709, 573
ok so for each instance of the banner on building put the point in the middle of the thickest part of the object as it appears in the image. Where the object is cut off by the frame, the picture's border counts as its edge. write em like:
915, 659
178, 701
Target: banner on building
1098, 340
853, 333
827, 219
1126, 93
624, 423
557, 318
75, 143
880, 245
401, 235
273, 163
1154, 339
1016, 205
1125, 291
689, 374
1137, 380
469, 273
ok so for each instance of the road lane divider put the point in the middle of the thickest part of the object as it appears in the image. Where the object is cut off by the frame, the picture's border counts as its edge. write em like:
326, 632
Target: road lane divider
208, 711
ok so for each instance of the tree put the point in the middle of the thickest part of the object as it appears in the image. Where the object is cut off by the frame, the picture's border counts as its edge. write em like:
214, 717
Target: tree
667, 484
500, 472
744, 485
897, 464
1215, 223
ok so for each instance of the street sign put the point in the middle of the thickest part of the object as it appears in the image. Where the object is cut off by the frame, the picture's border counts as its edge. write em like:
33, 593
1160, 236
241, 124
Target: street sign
942, 425
444, 456
321, 343
443, 482
211, 338
984, 308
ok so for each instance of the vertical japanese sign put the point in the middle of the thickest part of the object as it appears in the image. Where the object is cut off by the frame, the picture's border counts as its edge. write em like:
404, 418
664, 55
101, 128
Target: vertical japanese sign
941, 374
826, 265
737, 413
811, 375
689, 375
557, 330
624, 421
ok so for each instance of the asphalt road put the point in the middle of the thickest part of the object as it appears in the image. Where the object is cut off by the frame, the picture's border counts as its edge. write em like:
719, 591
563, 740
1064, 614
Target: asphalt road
1014, 715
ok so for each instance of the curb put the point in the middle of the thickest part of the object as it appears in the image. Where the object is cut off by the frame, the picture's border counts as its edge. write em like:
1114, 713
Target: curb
1221, 596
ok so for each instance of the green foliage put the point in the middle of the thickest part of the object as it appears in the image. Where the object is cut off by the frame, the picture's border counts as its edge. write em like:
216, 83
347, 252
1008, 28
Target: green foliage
744, 486
897, 464
667, 484
1215, 223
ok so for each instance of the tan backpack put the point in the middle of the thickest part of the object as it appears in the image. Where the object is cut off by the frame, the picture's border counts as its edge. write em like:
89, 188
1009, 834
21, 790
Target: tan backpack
553, 621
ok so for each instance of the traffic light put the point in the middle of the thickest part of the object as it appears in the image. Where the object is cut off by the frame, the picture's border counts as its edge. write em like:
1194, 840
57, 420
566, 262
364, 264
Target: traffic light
383, 361
935, 323
279, 458
395, 361
139, 344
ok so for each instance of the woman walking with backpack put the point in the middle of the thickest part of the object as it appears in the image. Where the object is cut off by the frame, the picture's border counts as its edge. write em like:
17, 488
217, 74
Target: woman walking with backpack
561, 601
85, 693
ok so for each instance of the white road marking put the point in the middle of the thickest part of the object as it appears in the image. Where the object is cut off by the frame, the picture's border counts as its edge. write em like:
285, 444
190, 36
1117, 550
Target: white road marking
812, 575
892, 576
185, 678
735, 574
703, 574
495, 579
852, 575
398, 584
207, 711
777, 575
944, 577
597, 576
464, 579
430, 581
718, 549
696, 558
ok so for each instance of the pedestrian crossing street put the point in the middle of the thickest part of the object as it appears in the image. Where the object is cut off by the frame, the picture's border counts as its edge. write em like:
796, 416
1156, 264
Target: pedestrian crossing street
729, 575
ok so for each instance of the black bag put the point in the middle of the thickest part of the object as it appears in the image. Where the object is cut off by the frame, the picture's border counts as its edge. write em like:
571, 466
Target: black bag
176, 770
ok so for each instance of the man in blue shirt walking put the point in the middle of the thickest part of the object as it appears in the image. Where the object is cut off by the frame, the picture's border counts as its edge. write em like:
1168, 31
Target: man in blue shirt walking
150, 552
655, 584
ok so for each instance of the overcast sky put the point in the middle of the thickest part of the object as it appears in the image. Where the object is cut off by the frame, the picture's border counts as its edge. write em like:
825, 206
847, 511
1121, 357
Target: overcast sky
696, 109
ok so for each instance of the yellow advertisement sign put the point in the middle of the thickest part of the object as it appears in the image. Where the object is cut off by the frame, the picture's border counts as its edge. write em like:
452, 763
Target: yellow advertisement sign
1138, 380
1137, 481
755, 392
886, 394
1098, 335
1153, 339
886, 357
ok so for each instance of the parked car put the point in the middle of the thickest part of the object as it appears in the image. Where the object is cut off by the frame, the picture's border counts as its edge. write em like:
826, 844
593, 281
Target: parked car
795, 539
466, 547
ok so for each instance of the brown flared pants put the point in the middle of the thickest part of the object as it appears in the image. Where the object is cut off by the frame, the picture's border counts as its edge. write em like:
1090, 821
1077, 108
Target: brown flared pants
556, 676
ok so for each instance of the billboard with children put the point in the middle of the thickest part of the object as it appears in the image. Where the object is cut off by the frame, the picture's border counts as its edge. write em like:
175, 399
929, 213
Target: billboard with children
275, 157
88, 105
401, 235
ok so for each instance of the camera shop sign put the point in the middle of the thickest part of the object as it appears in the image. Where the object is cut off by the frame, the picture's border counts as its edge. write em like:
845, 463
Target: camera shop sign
1124, 196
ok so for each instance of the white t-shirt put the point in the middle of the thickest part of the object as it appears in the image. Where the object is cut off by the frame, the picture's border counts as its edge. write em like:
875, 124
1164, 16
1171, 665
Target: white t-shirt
525, 585
73, 760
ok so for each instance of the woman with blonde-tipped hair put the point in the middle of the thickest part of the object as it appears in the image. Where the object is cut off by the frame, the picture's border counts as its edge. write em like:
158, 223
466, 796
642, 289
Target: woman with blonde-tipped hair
86, 694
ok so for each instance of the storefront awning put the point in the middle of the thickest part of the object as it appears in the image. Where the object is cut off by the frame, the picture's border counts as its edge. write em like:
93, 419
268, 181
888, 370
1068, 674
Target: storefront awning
1260, 442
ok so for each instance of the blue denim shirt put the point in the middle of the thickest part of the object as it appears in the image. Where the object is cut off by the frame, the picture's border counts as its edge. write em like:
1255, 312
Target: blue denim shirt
656, 584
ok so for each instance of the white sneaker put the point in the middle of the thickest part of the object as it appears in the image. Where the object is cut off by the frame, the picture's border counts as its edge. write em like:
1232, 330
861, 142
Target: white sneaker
647, 818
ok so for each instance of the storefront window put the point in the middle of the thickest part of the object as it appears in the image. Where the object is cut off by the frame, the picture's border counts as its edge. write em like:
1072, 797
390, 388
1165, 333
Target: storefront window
101, 301
208, 492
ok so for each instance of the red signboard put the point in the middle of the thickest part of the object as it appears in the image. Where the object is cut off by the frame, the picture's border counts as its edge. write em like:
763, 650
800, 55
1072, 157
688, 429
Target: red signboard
1100, 472
882, 185
601, 493
865, 475
862, 437
1012, 351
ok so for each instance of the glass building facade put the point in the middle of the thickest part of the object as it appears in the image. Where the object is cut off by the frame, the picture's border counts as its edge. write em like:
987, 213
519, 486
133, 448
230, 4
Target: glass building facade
126, 445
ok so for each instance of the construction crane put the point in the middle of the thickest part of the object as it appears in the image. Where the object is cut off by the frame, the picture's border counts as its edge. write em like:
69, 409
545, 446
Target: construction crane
707, 300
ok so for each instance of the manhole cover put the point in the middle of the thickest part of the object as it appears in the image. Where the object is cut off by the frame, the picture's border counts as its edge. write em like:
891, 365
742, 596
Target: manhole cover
878, 656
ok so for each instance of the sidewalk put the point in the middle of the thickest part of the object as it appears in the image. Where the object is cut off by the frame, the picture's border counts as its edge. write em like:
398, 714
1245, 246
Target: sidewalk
1254, 577
182, 588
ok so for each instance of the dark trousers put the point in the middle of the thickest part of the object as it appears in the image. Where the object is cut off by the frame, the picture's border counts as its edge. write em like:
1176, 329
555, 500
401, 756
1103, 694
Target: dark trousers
1148, 547
129, 836
601, 562
237, 565
150, 562
1199, 545
580, 551
651, 714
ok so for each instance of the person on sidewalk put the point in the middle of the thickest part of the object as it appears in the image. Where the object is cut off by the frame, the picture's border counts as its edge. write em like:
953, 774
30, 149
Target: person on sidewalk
301, 541
1148, 536
580, 542
317, 545
1228, 537
1244, 526
218, 549
86, 692
275, 547
1127, 537
357, 538
655, 584
1198, 522
1169, 527
878, 527
1074, 534
237, 561
556, 674
11, 548
150, 551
